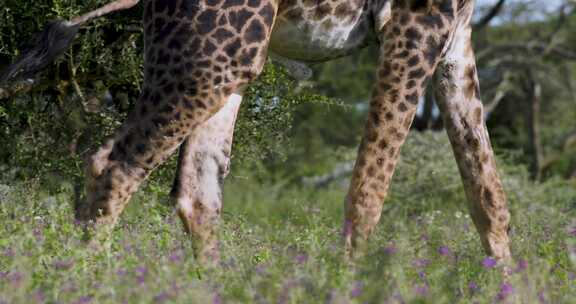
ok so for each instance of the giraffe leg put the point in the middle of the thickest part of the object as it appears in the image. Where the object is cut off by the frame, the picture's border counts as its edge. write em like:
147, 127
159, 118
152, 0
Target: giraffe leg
202, 166
197, 58
409, 54
458, 98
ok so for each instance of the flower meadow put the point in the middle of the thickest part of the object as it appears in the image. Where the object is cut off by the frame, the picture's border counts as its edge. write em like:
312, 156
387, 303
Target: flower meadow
281, 243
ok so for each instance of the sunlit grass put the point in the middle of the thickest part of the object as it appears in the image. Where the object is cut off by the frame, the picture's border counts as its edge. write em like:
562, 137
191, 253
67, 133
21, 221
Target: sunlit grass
282, 244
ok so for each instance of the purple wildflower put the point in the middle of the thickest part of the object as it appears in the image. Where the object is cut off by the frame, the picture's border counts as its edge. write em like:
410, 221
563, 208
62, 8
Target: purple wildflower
542, 297
175, 258
473, 287
390, 250
301, 259
63, 265
506, 290
162, 297
128, 248
422, 275
141, 274
356, 290
38, 235
68, 287
489, 262
9, 253
15, 277
84, 300
39, 296
141, 270
572, 231
444, 251
522, 266
261, 269
217, 299
421, 290
420, 263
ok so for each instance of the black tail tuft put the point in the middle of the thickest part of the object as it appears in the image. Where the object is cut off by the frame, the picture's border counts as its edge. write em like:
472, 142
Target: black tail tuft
45, 47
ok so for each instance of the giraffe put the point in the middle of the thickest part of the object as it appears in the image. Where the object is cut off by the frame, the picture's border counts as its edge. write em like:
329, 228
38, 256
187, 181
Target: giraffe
201, 54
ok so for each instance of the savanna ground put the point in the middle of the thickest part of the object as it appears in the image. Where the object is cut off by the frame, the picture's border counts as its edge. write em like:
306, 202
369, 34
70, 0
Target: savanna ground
281, 243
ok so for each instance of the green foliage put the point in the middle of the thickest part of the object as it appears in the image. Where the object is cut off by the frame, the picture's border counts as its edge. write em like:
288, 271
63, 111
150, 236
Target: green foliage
69, 112
555, 74
82, 98
282, 244
266, 115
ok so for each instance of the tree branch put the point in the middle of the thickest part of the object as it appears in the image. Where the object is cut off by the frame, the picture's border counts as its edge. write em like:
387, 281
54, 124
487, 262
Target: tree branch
16, 89
534, 149
492, 13
531, 48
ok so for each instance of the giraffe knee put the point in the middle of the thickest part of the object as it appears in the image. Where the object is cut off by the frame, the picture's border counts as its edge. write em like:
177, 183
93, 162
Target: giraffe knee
97, 162
184, 213
201, 196
199, 215
223, 164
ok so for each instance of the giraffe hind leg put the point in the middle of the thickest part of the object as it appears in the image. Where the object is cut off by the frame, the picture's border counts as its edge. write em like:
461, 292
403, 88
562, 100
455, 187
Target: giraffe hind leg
458, 98
202, 166
408, 57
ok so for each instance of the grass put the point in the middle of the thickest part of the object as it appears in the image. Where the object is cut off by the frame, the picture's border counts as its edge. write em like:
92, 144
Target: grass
281, 244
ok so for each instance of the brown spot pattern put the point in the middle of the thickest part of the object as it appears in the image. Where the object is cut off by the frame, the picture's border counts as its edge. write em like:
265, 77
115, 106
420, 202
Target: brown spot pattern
198, 55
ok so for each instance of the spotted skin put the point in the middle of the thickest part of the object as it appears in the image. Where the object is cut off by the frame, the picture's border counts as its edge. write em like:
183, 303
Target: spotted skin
410, 53
320, 30
200, 54
458, 97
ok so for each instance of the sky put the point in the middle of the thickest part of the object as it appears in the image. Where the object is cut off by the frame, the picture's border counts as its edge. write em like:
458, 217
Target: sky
543, 7
550, 3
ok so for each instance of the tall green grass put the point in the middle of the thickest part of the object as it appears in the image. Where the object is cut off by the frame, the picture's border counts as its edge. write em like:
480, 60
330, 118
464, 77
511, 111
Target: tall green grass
281, 244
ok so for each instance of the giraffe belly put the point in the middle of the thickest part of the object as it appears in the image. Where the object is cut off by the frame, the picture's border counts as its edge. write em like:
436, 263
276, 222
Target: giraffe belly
315, 42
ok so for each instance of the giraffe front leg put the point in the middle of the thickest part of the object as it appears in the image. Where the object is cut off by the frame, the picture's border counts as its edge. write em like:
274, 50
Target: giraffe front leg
458, 98
409, 54
110, 182
196, 59
202, 166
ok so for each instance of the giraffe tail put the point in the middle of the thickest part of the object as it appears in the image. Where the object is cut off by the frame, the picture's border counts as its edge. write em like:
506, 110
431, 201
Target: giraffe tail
45, 47
57, 36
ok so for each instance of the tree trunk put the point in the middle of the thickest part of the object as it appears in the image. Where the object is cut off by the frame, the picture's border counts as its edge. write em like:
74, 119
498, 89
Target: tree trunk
534, 148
